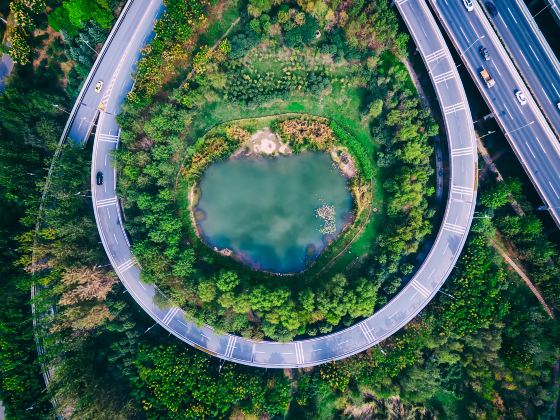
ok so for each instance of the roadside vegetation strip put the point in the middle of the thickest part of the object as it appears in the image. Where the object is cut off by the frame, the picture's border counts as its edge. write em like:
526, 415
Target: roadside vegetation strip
70, 121
45, 190
523, 276
523, 231
516, 207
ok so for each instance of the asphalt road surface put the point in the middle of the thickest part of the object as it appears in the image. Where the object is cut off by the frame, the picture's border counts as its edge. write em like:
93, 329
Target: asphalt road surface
524, 126
6, 66
114, 66
555, 8
406, 305
533, 56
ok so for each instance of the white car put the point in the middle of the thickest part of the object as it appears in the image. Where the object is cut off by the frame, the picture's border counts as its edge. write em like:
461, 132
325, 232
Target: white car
558, 105
521, 98
98, 86
468, 5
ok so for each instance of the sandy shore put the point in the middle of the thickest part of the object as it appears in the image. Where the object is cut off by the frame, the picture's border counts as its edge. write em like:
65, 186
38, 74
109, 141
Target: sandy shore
264, 143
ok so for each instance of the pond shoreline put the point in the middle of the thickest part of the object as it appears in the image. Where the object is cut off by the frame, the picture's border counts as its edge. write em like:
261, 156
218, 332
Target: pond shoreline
312, 250
254, 139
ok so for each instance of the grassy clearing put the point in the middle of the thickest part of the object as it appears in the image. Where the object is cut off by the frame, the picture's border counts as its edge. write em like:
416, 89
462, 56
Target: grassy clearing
220, 22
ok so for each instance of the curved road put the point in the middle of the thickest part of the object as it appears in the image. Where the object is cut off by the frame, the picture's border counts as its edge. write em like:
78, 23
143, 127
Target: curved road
398, 312
121, 51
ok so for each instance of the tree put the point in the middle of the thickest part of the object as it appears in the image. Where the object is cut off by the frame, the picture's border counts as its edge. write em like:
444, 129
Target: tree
501, 194
20, 25
477, 286
19, 49
375, 108
175, 383
83, 292
227, 280
21, 385
206, 291
303, 31
257, 7
72, 15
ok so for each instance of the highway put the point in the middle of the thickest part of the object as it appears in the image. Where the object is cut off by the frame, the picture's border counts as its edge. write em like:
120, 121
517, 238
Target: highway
6, 66
423, 286
532, 55
120, 52
555, 8
524, 126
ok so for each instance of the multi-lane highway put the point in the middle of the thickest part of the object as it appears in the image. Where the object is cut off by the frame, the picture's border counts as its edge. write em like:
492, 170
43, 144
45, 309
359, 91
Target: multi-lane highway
423, 286
532, 55
524, 126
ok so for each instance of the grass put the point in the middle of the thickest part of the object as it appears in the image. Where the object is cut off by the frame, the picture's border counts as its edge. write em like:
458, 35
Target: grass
221, 22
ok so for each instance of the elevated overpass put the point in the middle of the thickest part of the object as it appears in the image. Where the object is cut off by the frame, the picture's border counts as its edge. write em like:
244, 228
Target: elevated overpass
524, 125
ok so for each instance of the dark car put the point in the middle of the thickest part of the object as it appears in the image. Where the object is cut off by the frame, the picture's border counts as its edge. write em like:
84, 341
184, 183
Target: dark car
99, 178
484, 53
491, 8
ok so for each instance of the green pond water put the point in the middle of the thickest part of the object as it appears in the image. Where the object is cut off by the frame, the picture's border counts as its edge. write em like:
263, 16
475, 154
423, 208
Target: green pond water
265, 209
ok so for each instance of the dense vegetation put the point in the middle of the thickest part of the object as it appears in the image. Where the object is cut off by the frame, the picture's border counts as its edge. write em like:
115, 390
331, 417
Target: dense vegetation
274, 60
27, 21
234, 290
525, 233
486, 352
23, 19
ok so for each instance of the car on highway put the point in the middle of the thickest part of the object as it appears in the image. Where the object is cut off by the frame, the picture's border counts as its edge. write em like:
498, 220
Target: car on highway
484, 53
558, 105
98, 86
491, 9
468, 5
99, 178
521, 98
487, 78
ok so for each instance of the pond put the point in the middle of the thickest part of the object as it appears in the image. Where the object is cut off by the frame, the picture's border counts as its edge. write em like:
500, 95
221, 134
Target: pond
273, 214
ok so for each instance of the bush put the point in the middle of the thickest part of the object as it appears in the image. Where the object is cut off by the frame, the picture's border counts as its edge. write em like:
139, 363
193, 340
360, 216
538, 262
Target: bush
356, 148
72, 15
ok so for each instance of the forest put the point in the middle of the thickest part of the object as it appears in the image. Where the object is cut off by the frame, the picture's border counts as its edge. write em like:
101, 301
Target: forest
484, 349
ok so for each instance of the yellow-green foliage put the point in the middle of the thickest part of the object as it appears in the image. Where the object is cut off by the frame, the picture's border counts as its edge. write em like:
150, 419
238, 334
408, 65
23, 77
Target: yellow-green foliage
211, 148
307, 133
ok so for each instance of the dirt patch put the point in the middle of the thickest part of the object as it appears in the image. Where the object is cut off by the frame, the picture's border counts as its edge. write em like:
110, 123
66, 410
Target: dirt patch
344, 161
264, 142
